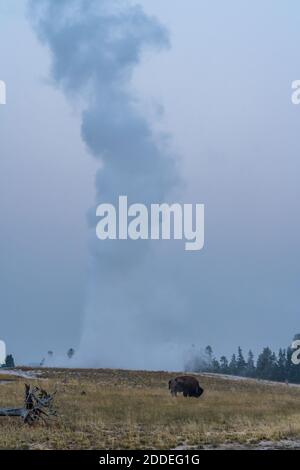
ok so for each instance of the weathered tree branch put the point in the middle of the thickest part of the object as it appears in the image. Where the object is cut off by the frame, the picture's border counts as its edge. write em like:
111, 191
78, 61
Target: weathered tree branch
13, 412
38, 405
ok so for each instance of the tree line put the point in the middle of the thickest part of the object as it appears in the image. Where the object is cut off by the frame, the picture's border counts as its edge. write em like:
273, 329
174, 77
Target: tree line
269, 365
9, 362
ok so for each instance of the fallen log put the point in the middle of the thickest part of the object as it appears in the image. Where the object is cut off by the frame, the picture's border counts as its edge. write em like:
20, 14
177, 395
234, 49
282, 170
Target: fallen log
38, 405
13, 412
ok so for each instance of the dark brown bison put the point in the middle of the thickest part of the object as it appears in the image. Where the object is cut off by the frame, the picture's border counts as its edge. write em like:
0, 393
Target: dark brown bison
185, 384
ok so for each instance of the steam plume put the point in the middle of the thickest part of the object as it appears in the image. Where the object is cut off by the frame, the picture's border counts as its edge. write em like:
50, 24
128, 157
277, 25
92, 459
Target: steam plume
95, 45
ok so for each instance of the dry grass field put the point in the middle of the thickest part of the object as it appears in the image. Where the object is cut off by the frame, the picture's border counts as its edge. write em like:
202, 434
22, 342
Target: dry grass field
111, 409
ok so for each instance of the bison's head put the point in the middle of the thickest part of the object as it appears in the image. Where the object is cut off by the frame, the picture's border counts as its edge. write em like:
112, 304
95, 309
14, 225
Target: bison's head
199, 392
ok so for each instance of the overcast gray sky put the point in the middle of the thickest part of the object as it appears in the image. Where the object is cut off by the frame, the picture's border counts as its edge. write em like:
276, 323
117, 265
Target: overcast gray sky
224, 87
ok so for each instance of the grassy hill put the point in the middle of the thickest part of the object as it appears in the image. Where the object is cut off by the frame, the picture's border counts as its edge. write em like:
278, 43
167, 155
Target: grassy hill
115, 409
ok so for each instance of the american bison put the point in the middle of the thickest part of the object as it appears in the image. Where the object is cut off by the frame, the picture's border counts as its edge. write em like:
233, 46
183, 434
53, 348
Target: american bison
185, 384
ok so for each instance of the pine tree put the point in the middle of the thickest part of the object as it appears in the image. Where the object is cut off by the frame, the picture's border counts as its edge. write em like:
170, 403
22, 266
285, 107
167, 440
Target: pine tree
215, 366
241, 364
209, 352
250, 366
233, 365
70, 353
275, 370
9, 361
292, 370
281, 365
224, 367
266, 364
209, 357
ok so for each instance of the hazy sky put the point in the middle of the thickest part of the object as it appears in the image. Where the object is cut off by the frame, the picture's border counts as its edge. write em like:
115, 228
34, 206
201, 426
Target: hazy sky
224, 87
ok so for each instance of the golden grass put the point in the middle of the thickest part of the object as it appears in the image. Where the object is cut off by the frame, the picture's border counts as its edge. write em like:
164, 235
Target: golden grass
134, 410
7, 377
